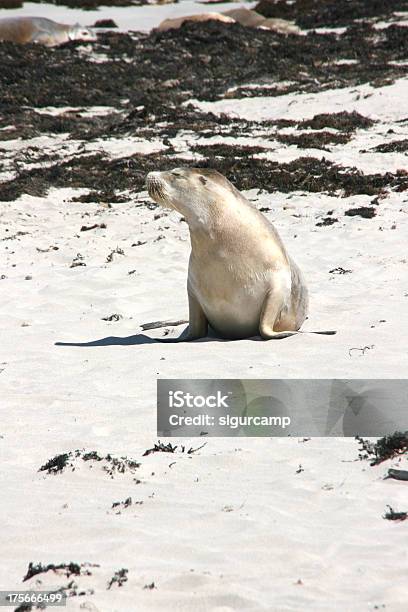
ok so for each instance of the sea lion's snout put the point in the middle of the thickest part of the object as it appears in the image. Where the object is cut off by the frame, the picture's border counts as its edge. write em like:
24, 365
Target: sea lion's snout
155, 186
78, 32
153, 177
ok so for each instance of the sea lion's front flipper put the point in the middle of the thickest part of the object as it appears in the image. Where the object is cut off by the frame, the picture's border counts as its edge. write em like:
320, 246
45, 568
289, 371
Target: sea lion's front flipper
43, 38
197, 323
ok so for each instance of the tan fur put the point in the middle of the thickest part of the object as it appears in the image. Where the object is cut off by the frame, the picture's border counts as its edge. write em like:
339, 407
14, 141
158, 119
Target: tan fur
19, 31
241, 279
41, 30
171, 24
280, 25
245, 17
252, 19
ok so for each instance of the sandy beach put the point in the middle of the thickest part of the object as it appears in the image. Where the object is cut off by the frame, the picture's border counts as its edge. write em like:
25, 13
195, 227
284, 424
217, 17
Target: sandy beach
268, 524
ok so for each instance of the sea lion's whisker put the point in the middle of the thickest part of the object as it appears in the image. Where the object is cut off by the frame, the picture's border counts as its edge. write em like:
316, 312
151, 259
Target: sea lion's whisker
155, 190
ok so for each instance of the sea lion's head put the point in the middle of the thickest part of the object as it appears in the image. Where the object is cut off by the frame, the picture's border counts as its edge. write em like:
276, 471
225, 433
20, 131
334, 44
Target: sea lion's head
78, 32
189, 190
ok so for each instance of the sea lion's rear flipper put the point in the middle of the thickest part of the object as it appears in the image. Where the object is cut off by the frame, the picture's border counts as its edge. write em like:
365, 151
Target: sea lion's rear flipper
286, 334
270, 314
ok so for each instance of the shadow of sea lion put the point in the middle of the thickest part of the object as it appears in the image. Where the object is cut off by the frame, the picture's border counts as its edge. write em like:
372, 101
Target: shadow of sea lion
137, 339
112, 341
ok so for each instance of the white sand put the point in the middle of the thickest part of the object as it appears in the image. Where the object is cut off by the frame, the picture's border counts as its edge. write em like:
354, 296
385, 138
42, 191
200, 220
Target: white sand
382, 103
232, 527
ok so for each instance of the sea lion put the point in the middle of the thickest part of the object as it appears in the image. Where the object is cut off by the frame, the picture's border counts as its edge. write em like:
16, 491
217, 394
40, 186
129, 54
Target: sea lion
241, 280
177, 22
282, 26
41, 30
252, 19
245, 17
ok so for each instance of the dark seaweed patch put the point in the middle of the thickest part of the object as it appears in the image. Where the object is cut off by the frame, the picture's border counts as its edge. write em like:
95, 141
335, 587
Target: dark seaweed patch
327, 221
95, 172
385, 448
25, 608
56, 464
396, 146
69, 569
344, 121
125, 504
87, 228
313, 140
119, 578
112, 317
160, 448
111, 464
92, 456
305, 140
11, 4
105, 23
397, 474
27, 123
148, 78
201, 60
329, 13
111, 256
221, 150
340, 270
304, 173
392, 515
165, 119
367, 212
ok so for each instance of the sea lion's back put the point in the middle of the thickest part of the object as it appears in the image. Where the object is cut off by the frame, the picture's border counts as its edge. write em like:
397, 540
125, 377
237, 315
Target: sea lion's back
19, 29
26, 29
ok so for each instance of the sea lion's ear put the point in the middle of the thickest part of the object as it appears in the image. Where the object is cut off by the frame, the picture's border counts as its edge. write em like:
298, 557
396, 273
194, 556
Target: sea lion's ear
203, 180
74, 28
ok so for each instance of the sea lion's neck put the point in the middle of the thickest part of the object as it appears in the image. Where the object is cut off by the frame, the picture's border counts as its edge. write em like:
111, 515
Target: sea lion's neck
200, 217
202, 226
201, 240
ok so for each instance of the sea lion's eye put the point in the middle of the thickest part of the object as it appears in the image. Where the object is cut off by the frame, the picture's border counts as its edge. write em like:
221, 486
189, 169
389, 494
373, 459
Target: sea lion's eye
176, 174
203, 180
